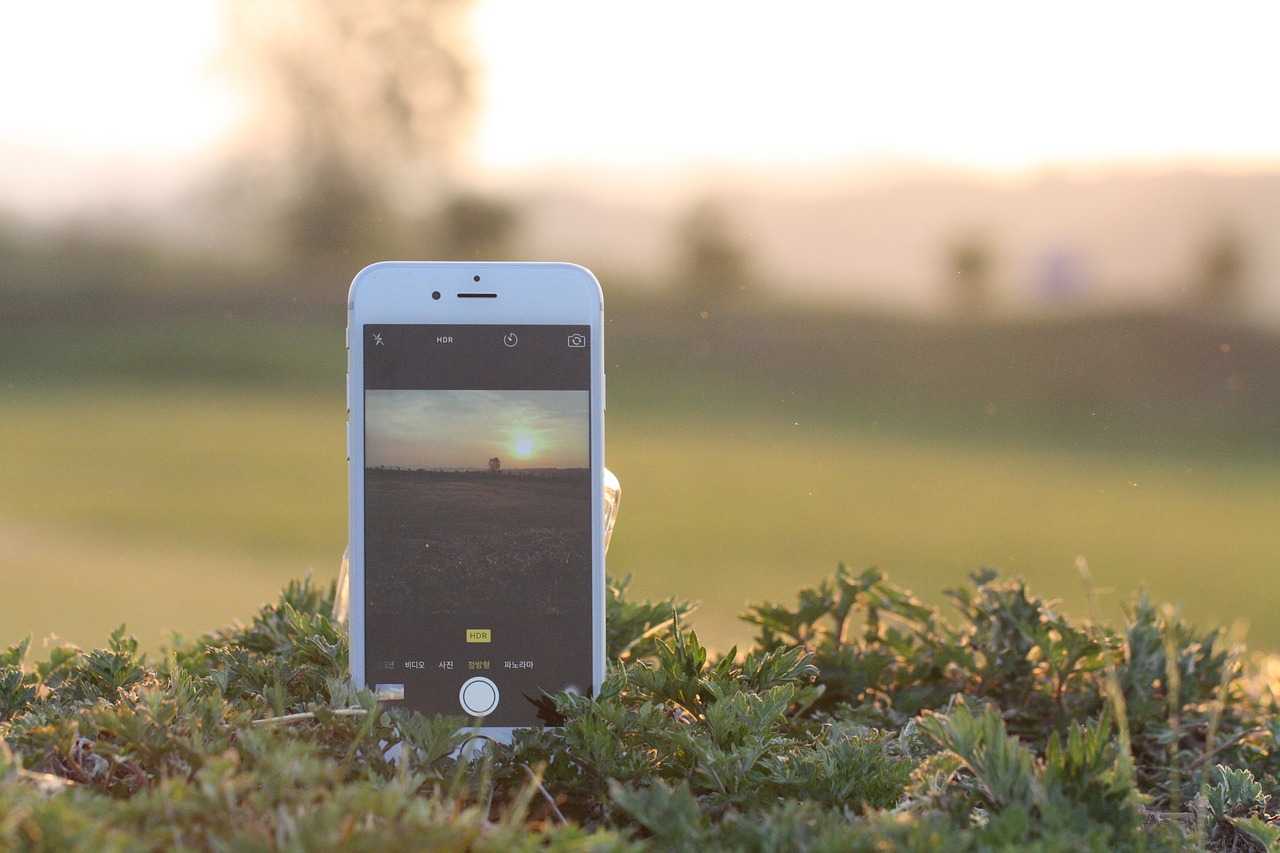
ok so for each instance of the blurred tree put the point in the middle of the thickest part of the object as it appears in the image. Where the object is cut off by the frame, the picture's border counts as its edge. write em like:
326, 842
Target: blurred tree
358, 106
475, 226
1223, 265
713, 263
970, 264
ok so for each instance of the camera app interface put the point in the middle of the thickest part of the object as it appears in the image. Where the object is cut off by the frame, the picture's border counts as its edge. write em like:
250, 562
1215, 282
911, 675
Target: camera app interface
477, 494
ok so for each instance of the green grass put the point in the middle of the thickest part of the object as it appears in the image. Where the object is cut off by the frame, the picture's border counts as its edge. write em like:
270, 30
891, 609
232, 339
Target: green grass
257, 472
728, 514
163, 509
859, 719
173, 509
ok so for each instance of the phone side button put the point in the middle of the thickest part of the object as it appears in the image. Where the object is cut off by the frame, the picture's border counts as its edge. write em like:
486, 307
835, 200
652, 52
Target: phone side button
604, 391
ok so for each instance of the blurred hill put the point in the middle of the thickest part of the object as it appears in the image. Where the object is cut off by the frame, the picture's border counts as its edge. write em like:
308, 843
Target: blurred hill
1056, 242
1135, 380
1134, 237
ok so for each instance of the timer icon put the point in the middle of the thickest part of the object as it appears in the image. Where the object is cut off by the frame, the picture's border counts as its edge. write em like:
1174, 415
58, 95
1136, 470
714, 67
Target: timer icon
509, 339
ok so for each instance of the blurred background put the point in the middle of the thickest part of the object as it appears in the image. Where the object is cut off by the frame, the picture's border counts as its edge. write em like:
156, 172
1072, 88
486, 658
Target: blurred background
925, 286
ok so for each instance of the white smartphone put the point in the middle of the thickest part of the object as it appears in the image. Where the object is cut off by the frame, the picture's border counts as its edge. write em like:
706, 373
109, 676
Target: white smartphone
475, 400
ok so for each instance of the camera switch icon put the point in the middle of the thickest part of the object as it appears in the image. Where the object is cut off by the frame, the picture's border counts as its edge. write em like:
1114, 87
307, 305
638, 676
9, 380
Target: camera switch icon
577, 340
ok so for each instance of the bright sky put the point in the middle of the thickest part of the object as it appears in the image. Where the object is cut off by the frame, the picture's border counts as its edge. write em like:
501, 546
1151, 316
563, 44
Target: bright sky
105, 95
109, 100
464, 429
975, 84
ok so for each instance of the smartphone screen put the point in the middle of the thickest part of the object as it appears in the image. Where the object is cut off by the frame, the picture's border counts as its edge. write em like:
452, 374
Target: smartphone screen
477, 517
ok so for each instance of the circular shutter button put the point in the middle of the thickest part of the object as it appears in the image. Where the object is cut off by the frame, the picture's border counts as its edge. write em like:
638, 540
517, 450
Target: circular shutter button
478, 696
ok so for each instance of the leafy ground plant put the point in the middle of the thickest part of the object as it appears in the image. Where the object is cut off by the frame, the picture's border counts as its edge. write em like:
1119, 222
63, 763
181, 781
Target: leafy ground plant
860, 719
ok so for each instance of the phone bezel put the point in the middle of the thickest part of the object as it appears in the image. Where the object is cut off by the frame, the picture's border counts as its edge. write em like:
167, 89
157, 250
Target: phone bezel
527, 294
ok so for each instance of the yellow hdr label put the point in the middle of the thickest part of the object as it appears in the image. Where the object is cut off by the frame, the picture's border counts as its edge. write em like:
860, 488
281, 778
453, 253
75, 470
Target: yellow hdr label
479, 635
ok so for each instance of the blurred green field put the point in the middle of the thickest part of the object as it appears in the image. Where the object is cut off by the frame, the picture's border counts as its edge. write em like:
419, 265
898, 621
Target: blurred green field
174, 505
697, 521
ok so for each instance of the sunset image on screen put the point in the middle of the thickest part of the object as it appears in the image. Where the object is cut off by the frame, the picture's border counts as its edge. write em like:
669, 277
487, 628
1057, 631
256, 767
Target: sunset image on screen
469, 430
